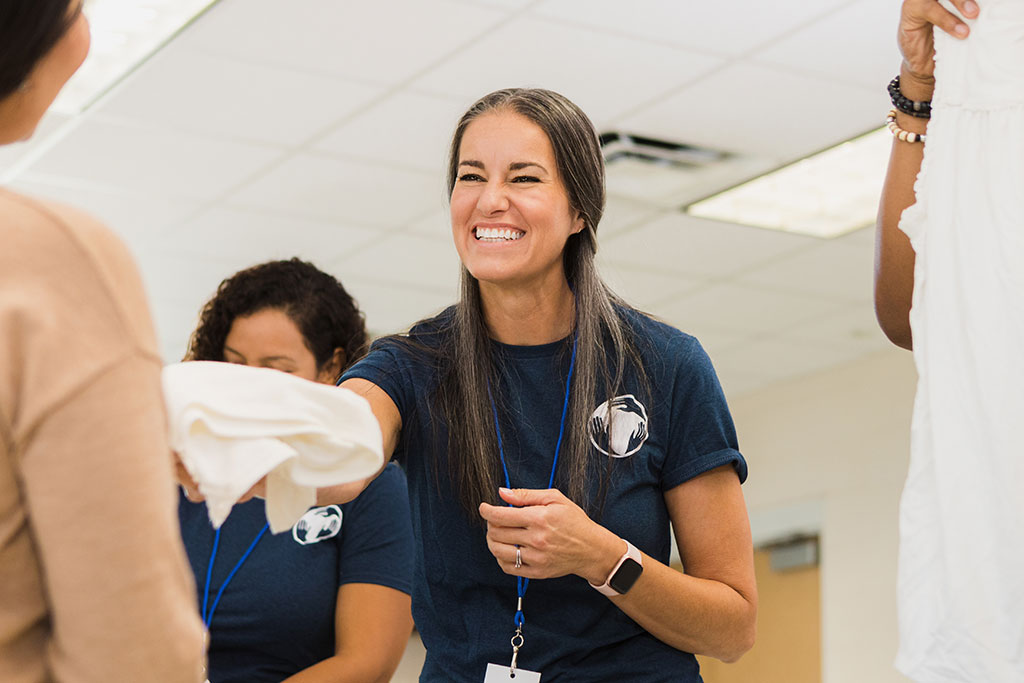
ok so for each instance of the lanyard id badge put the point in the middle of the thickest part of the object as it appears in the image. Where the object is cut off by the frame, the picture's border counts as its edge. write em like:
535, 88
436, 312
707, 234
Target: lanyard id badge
496, 672
499, 674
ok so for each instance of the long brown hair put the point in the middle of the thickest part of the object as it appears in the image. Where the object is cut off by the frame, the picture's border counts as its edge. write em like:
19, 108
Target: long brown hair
466, 367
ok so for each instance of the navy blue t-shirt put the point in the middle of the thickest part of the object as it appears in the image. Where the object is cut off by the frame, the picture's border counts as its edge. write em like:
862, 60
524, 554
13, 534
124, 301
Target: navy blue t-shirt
463, 603
276, 616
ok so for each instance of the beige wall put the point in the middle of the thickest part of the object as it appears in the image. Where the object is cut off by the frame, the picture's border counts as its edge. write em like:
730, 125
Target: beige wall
830, 452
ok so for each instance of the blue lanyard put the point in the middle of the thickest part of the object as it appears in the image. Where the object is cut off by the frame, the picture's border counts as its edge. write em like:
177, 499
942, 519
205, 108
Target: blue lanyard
521, 583
208, 616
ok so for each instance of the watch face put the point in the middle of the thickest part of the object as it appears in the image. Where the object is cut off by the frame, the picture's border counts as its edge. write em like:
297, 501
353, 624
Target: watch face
626, 576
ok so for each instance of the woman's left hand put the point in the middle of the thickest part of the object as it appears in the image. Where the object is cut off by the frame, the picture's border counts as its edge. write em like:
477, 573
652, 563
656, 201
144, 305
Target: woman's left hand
554, 535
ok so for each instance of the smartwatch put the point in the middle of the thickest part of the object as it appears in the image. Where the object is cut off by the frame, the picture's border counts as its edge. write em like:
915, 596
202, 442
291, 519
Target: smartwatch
624, 574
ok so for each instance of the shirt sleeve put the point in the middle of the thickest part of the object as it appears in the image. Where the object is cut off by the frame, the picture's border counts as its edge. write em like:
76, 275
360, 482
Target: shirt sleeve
376, 536
388, 366
701, 431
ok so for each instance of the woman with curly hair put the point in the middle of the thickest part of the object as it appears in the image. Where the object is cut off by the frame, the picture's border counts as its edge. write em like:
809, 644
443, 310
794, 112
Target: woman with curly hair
328, 601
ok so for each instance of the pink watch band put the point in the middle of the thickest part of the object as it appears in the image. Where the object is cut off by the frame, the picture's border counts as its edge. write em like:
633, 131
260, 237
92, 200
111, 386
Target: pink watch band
631, 554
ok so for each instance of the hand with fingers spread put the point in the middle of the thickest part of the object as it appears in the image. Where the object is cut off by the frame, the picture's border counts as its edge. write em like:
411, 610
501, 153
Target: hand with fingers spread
554, 536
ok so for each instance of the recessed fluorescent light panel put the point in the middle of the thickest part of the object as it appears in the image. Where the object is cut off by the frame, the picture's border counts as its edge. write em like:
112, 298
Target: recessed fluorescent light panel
825, 195
124, 34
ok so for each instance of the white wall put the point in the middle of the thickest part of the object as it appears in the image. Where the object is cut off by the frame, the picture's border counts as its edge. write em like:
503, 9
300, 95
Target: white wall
829, 452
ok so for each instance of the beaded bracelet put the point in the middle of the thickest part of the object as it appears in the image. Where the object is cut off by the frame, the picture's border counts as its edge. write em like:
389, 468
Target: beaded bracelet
904, 135
921, 110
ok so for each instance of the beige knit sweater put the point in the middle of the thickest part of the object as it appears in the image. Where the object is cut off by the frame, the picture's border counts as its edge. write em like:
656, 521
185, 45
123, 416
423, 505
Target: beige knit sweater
94, 585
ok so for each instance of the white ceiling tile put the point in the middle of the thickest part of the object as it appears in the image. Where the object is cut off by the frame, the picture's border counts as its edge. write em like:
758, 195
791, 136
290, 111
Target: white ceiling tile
854, 44
854, 327
681, 244
509, 5
202, 93
763, 112
243, 238
391, 308
158, 162
137, 218
671, 187
406, 129
342, 191
174, 321
182, 276
716, 341
864, 237
725, 27
643, 288
435, 225
832, 270
12, 154
741, 309
406, 259
604, 74
778, 360
376, 42
736, 384
621, 214
179, 284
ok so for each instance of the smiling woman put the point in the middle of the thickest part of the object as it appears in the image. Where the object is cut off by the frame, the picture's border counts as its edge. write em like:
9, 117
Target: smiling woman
611, 424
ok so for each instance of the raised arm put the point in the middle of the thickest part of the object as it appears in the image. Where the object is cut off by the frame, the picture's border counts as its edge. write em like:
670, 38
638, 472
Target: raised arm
894, 256
386, 412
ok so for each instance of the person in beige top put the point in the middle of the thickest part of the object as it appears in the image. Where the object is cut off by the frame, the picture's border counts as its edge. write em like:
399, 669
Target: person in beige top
94, 585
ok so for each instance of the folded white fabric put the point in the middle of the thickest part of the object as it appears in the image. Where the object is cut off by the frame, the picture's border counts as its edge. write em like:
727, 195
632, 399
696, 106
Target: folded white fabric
232, 425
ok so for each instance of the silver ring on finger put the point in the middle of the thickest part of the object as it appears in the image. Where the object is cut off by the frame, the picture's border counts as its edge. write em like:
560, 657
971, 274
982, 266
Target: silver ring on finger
519, 558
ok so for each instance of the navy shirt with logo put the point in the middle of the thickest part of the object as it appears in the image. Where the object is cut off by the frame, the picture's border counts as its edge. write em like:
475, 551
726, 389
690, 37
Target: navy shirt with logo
463, 603
276, 616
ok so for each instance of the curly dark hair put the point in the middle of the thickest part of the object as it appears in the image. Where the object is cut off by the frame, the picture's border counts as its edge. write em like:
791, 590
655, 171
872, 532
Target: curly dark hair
326, 315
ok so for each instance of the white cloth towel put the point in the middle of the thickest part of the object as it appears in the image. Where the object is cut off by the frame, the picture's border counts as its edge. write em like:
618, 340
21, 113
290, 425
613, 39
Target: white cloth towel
232, 425
961, 568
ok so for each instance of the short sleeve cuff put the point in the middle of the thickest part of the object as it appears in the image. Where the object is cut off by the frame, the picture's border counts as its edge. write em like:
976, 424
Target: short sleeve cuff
398, 584
705, 463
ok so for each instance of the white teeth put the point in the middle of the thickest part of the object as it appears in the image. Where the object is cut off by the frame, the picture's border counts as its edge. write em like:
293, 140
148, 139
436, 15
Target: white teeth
509, 234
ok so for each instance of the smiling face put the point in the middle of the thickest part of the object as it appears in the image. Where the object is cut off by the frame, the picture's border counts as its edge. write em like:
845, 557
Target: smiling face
510, 212
271, 339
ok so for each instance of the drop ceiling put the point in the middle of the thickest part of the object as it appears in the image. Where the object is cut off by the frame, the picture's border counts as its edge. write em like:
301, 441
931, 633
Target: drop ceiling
318, 128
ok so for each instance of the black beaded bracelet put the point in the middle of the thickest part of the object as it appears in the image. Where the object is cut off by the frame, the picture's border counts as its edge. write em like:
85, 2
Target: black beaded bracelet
921, 110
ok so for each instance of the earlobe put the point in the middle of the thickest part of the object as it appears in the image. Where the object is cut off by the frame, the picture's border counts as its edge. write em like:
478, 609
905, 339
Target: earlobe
580, 225
331, 371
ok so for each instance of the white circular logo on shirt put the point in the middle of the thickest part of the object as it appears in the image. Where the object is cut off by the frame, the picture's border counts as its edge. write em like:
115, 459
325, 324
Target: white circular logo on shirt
317, 525
619, 427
